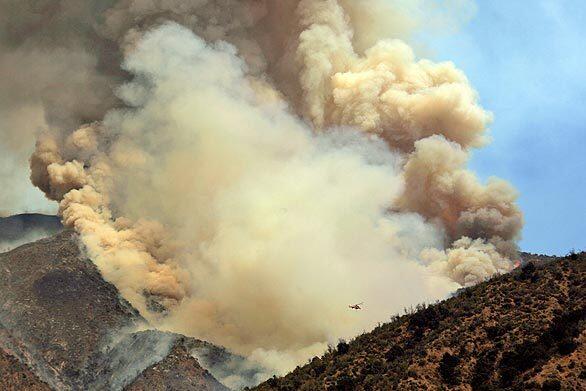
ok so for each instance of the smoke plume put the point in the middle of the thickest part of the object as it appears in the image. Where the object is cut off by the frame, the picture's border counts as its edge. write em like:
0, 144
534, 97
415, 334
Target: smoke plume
253, 167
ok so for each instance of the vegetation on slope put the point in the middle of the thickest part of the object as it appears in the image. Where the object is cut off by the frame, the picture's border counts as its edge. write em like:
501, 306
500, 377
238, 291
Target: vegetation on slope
15, 376
520, 331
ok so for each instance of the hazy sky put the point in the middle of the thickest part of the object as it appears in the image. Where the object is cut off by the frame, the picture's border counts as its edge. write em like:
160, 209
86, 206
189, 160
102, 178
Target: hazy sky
528, 61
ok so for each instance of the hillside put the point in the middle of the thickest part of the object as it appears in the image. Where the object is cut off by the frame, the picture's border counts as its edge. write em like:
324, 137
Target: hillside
16, 376
519, 331
63, 327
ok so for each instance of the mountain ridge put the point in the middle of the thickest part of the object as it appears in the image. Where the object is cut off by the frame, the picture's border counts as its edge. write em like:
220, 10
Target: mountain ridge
69, 329
523, 330
63, 327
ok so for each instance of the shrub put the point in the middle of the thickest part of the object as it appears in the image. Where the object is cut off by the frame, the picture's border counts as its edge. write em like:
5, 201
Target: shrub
374, 366
317, 366
483, 370
394, 353
567, 347
527, 272
345, 383
272, 382
551, 385
448, 369
342, 347
494, 331
426, 317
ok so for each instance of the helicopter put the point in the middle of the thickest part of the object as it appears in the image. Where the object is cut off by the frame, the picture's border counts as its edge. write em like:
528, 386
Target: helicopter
356, 306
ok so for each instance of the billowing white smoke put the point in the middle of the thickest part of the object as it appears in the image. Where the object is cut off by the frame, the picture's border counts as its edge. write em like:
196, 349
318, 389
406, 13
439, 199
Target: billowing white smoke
266, 167
277, 229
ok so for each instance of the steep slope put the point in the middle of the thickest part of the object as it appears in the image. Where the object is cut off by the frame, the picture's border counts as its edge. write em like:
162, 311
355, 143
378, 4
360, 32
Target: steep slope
16, 376
525, 330
179, 370
55, 309
63, 327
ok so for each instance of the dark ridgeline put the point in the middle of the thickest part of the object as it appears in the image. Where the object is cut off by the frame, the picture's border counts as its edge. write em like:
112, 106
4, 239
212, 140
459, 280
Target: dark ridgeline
18, 226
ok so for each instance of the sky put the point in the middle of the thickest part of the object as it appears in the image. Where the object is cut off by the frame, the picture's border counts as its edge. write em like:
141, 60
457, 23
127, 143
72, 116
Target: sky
527, 59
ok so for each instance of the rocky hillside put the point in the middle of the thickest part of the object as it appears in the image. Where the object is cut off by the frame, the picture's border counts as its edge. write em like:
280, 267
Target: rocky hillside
16, 376
521, 331
63, 327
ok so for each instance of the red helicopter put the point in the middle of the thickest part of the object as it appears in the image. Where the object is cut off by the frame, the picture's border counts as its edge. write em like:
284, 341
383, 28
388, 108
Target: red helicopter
356, 306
